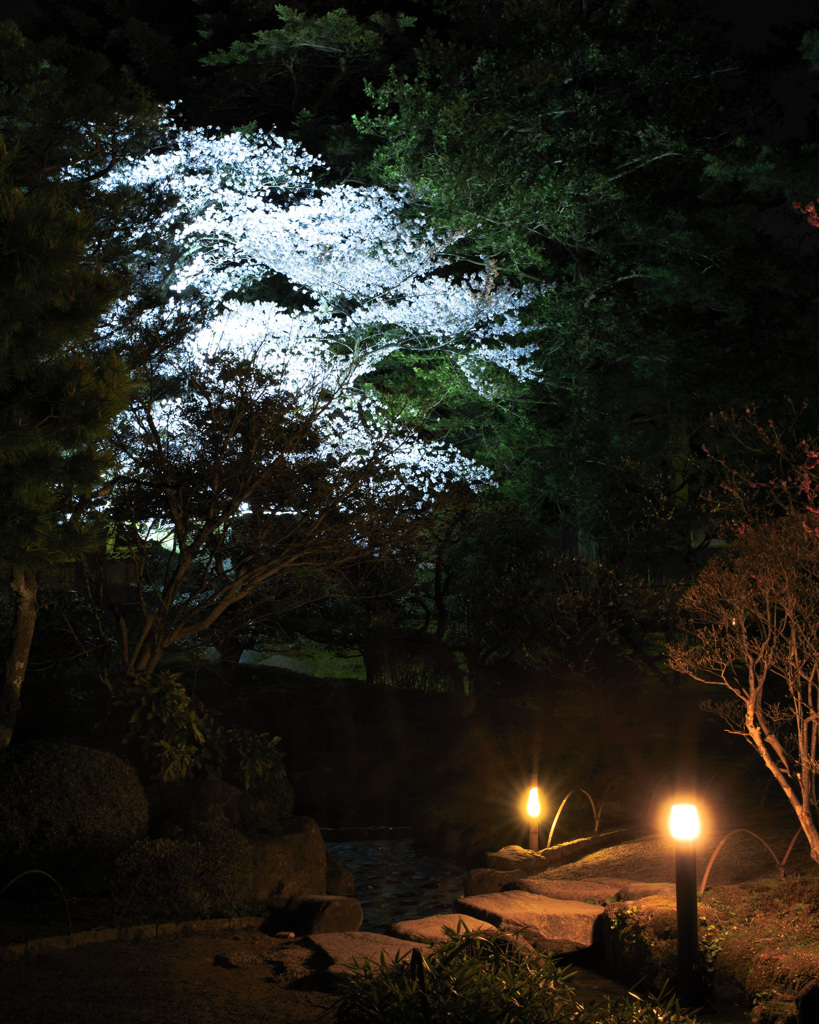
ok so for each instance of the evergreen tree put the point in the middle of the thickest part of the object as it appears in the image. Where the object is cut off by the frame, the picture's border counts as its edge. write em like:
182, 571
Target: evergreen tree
61, 383
617, 151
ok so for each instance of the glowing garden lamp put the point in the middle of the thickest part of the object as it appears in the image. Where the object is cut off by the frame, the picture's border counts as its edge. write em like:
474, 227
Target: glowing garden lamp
533, 810
685, 827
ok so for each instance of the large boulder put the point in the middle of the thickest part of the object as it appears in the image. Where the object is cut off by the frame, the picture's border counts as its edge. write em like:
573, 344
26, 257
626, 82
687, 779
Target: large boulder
178, 806
318, 914
639, 890
291, 863
516, 858
586, 890
347, 952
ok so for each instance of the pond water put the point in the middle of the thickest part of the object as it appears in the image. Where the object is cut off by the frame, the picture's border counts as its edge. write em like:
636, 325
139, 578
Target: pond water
394, 881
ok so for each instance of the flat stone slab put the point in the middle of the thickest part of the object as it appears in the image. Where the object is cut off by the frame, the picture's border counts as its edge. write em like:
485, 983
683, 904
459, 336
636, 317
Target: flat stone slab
640, 890
483, 880
431, 929
585, 890
550, 925
350, 950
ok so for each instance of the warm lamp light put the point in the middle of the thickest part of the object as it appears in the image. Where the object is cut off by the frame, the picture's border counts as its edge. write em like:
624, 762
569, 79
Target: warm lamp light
685, 822
533, 810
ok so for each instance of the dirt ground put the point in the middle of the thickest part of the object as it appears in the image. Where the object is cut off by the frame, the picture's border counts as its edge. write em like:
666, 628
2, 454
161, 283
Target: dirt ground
242, 977
247, 977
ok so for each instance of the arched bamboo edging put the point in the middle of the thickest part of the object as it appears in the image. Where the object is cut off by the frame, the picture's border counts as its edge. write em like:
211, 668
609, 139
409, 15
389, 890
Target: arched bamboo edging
779, 863
37, 871
595, 811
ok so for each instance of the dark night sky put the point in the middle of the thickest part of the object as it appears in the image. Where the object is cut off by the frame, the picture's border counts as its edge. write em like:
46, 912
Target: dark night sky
15, 8
750, 26
750, 21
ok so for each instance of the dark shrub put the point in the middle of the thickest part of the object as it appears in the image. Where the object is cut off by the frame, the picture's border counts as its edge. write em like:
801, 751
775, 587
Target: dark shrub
67, 808
172, 737
206, 874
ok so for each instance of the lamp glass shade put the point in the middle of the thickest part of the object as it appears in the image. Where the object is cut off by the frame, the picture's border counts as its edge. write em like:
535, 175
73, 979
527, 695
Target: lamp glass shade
533, 805
685, 822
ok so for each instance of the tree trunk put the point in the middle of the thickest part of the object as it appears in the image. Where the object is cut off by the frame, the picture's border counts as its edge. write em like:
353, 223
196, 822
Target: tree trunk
24, 585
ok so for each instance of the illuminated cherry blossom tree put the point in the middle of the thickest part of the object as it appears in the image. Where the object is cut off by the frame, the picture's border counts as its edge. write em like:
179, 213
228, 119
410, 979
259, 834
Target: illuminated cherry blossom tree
256, 468
365, 277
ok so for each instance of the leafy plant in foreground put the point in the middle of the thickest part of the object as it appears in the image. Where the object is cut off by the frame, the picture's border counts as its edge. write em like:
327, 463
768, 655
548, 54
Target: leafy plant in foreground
475, 976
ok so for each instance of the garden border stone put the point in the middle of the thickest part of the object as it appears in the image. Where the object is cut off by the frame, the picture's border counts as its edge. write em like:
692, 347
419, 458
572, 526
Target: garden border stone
127, 933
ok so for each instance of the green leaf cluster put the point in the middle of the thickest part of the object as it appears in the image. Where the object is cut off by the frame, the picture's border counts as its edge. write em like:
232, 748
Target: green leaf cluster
606, 149
173, 737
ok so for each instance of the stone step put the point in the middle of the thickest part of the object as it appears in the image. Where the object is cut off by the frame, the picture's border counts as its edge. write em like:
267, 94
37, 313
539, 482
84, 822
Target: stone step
549, 924
592, 890
431, 929
349, 951
583, 890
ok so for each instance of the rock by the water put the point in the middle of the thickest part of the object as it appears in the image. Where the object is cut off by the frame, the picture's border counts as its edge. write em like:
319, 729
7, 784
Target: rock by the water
293, 863
311, 915
516, 858
340, 881
431, 929
349, 951
549, 924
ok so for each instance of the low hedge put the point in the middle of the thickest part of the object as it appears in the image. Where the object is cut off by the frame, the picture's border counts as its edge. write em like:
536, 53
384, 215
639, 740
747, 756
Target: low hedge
67, 809
208, 873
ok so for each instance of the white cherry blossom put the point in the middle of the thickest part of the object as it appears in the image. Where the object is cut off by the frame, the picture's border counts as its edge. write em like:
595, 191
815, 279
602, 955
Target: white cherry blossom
368, 278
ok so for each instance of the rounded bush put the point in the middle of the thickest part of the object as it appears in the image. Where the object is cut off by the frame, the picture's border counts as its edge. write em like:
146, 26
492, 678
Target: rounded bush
67, 807
206, 874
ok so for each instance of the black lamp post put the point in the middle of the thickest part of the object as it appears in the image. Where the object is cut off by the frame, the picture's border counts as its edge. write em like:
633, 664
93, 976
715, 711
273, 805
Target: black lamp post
685, 828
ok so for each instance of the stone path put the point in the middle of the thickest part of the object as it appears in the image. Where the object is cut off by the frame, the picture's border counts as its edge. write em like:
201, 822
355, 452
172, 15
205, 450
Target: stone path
411, 897
554, 916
